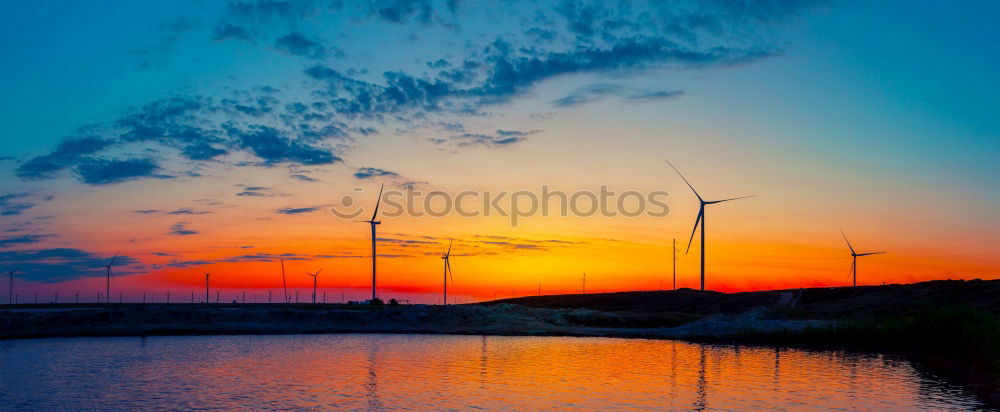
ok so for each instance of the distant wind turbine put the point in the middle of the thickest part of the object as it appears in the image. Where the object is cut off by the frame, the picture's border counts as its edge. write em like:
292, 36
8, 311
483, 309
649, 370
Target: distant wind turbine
315, 277
701, 219
447, 272
854, 258
373, 223
284, 283
10, 290
206, 287
107, 296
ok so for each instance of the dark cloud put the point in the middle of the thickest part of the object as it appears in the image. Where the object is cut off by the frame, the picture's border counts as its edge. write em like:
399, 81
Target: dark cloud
370, 172
11, 206
406, 241
499, 139
202, 151
256, 106
173, 120
297, 210
650, 96
587, 94
503, 71
232, 32
255, 191
339, 105
599, 91
187, 211
266, 10
74, 153
22, 240
180, 264
273, 146
304, 178
298, 44
510, 74
107, 171
413, 184
180, 229
147, 211
258, 257
70, 152
57, 265
399, 11
199, 130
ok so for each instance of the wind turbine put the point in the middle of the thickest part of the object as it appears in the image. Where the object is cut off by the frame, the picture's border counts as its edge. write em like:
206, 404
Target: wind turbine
107, 296
447, 271
206, 287
374, 222
284, 283
854, 257
10, 290
701, 219
315, 277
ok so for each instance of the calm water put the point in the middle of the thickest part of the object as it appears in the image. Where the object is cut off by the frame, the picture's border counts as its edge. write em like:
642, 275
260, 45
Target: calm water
376, 372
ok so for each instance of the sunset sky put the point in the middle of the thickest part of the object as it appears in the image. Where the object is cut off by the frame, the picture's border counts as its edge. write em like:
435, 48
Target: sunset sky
212, 136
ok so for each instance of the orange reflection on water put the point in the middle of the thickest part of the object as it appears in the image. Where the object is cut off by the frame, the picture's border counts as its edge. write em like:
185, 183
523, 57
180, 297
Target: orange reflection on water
422, 372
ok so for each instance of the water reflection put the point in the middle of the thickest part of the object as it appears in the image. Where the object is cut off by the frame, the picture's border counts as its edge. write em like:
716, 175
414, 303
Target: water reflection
371, 385
701, 393
378, 372
777, 365
482, 366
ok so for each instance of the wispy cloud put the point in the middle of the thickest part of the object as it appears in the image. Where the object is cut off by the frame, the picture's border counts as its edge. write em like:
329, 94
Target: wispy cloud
62, 264
180, 229
370, 172
298, 210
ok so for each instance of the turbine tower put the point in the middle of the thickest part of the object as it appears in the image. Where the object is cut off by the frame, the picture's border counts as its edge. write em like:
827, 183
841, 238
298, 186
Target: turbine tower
206, 287
675, 263
10, 290
854, 258
284, 283
701, 219
315, 278
107, 295
374, 222
447, 271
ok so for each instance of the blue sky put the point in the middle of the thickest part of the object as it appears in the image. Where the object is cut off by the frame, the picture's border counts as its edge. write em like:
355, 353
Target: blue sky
850, 109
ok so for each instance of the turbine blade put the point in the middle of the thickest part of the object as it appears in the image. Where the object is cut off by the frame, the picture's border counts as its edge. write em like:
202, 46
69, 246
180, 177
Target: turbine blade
701, 212
871, 253
447, 264
378, 202
849, 272
726, 200
685, 180
449, 248
848, 241
318, 271
114, 258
